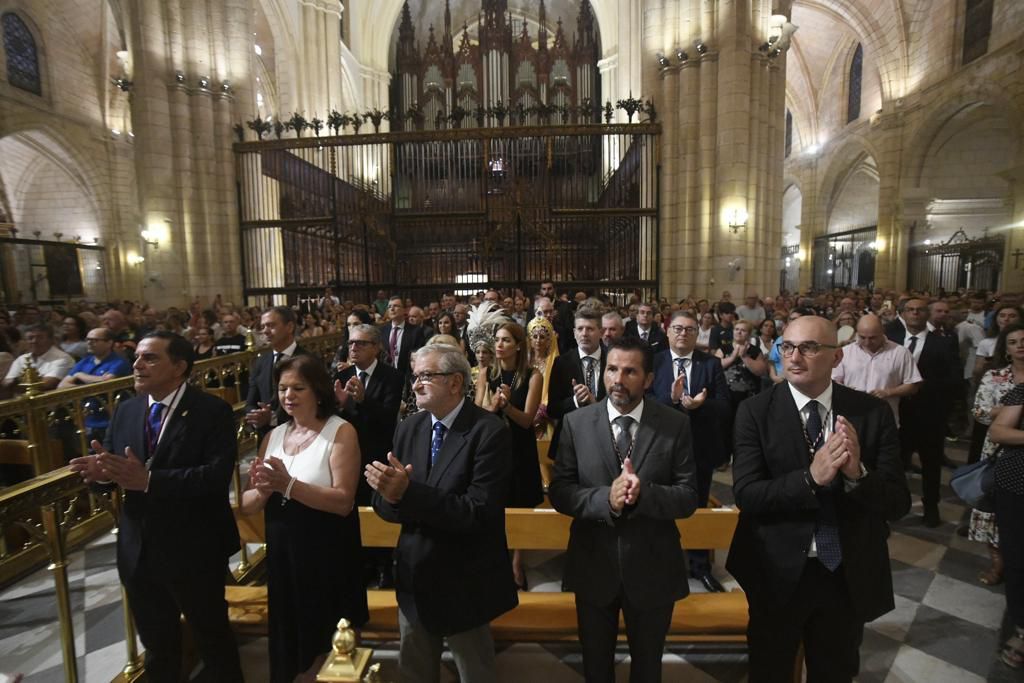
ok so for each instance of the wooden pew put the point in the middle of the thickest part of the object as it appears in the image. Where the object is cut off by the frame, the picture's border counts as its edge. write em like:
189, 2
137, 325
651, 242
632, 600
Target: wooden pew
540, 616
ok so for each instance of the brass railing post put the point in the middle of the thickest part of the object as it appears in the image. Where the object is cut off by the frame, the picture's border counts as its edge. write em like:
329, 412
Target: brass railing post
134, 664
54, 536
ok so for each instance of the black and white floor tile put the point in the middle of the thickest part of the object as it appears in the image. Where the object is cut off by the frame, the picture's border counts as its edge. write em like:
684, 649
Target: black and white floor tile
946, 626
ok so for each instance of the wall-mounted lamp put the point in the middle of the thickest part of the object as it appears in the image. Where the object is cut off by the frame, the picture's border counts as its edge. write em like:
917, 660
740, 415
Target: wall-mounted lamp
780, 31
134, 259
876, 245
151, 238
662, 60
736, 219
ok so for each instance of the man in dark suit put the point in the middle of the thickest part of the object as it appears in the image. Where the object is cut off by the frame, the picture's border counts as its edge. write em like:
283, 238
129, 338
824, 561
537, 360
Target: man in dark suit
400, 337
261, 404
625, 473
817, 476
172, 451
923, 416
693, 383
447, 488
369, 394
576, 376
646, 329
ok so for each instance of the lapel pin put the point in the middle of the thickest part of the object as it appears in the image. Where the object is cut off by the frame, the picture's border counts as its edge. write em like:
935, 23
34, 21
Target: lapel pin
184, 413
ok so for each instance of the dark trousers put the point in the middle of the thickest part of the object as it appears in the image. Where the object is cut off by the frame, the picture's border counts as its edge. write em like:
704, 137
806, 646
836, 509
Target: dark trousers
700, 560
820, 614
645, 630
1010, 517
158, 601
979, 430
926, 435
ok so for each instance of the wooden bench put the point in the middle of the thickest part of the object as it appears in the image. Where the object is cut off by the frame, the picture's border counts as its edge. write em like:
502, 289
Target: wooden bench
540, 616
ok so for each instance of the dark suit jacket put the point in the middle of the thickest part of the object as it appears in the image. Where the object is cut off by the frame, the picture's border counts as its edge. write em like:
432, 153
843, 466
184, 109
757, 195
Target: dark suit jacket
261, 384
638, 552
375, 418
778, 510
452, 567
709, 422
939, 365
185, 517
566, 368
413, 337
656, 337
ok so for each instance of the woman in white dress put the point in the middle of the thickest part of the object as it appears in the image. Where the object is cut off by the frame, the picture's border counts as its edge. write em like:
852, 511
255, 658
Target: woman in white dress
305, 480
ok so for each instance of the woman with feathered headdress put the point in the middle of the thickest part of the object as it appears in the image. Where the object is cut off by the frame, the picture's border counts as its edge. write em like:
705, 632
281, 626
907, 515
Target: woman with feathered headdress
543, 351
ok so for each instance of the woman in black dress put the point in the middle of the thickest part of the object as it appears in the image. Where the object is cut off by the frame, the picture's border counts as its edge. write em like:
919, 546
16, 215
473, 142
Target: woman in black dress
512, 388
304, 480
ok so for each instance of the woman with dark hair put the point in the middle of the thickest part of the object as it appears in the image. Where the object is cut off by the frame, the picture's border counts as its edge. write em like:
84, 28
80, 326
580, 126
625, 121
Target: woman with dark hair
1008, 372
445, 324
1005, 315
72, 336
512, 389
204, 343
304, 479
1007, 429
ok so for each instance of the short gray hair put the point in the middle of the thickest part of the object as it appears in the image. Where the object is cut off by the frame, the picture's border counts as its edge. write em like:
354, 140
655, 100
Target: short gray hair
367, 329
612, 315
450, 360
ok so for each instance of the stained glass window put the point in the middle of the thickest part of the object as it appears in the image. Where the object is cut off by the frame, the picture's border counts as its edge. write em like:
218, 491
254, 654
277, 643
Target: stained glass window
22, 58
856, 72
789, 132
977, 28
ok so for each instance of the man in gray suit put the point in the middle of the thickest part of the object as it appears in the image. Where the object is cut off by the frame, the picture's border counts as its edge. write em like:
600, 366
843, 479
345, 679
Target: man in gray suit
625, 472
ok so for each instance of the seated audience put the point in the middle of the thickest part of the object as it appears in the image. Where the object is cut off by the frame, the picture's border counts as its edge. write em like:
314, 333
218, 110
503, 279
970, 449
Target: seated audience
51, 363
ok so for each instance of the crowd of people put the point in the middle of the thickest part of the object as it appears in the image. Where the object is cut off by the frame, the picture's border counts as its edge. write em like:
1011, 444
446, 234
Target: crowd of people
385, 424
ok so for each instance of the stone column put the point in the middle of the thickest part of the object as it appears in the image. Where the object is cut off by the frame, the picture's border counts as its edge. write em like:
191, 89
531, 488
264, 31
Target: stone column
1012, 279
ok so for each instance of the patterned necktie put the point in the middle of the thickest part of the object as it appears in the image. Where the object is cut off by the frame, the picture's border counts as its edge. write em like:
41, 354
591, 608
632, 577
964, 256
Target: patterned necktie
362, 377
643, 335
153, 422
681, 364
913, 345
437, 440
826, 532
624, 440
588, 377
393, 346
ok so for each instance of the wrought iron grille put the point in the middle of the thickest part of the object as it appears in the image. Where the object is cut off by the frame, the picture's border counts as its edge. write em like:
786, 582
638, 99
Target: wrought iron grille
418, 213
958, 263
845, 259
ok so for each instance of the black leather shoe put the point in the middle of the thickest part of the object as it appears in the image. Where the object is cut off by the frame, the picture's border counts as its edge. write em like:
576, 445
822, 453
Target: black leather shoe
711, 583
931, 519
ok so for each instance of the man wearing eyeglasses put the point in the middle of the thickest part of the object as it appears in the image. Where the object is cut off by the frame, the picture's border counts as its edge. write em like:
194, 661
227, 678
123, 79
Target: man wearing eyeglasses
693, 383
924, 415
817, 476
369, 394
446, 484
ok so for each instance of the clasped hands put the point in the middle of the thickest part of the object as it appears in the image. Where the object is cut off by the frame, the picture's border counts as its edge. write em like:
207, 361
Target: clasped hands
839, 454
352, 389
625, 490
127, 471
500, 398
688, 402
259, 417
390, 480
582, 394
269, 475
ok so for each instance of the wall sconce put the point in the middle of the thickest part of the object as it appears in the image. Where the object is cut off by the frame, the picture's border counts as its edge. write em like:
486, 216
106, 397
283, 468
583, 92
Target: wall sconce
736, 219
151, 238
876, 245
134, 259
780, 31
662, 60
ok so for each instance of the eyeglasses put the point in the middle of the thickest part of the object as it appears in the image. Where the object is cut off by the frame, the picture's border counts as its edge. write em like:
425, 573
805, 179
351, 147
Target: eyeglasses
359, 343
680, 329
806, 349
428, 377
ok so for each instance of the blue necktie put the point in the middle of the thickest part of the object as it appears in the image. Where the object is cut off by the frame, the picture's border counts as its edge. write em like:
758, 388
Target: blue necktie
153, 422
435, 443
826, 532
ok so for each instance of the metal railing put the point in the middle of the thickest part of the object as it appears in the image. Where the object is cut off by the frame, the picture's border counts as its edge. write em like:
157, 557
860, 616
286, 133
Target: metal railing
45, 517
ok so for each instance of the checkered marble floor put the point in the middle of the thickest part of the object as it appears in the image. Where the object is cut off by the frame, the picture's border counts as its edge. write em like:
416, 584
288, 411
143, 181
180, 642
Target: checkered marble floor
946, 626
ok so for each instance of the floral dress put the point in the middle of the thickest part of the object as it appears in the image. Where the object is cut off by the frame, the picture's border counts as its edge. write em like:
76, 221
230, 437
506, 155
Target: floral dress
995, 384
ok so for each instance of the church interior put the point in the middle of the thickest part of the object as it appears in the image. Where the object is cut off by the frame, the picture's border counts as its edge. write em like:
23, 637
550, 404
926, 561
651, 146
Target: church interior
184, 152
